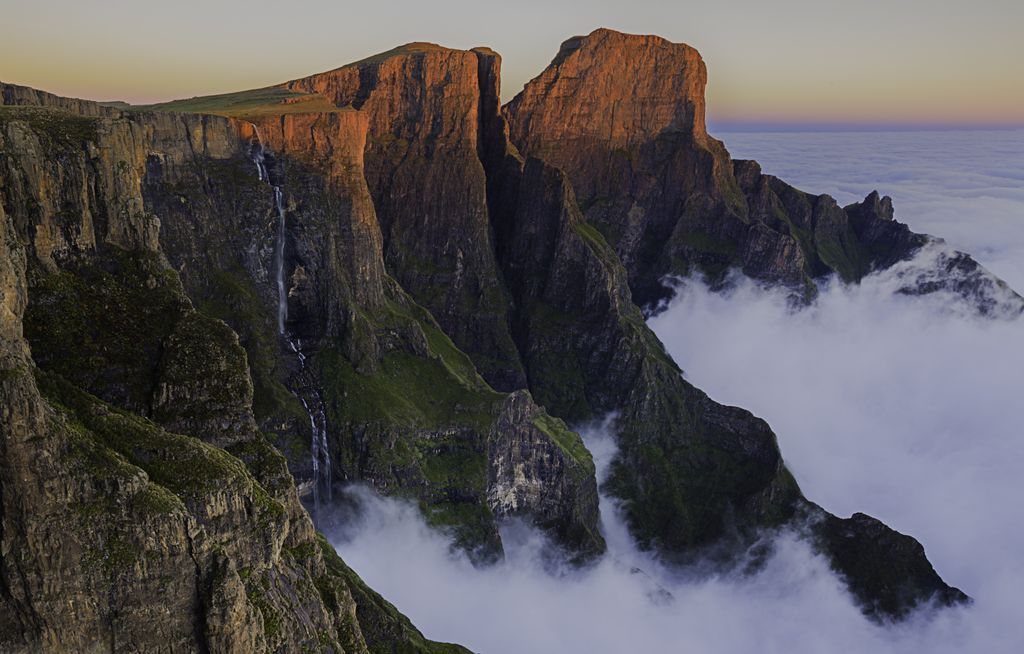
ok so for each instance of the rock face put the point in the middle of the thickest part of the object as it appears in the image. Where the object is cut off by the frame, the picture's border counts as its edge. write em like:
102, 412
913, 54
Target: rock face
401, 407
380, 271
14, 95
689, 470
859, 545
623, 116
535, 468
429, 189
179, 530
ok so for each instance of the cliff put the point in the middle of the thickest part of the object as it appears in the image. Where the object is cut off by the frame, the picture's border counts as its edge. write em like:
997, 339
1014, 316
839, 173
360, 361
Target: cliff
623, 116
388, 278
423, 168
141, 509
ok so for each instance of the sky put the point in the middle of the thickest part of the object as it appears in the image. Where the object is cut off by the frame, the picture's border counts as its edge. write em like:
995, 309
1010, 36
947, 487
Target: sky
921, 62
906, 408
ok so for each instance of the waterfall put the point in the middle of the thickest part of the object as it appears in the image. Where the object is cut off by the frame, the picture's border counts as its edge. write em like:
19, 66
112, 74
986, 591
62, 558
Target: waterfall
282, 294
258, 156
319, 452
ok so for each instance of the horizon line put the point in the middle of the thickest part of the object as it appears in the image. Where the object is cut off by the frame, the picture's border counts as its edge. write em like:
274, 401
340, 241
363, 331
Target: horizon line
754, 125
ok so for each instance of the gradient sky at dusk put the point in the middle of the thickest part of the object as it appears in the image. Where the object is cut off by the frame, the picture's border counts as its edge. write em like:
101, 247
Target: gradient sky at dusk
873, 61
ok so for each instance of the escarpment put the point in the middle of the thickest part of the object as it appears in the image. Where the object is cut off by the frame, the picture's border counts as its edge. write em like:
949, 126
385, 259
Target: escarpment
429, 189
623, 116
141, 509
379, 275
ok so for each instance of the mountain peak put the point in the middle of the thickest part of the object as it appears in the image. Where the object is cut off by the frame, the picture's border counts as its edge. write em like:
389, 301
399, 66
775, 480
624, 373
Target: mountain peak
609, 40
615, 87
414, 49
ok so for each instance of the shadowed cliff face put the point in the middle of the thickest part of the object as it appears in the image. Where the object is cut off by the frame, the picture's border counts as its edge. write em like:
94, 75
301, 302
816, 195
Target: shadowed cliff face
135, 487
404, 409
691, 472
427, 261
623, 115
420, 155
429, 190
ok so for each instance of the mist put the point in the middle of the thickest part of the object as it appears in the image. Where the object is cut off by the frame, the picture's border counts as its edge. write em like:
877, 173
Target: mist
965, 186
627, 601
902, 407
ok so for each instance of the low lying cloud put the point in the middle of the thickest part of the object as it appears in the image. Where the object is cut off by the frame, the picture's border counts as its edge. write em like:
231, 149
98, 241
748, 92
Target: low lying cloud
881, 403
907, 408
964, 186
627, 602
902, 407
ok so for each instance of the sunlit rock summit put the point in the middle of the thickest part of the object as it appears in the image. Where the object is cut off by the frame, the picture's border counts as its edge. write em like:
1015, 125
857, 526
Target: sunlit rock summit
215, 307
623, 116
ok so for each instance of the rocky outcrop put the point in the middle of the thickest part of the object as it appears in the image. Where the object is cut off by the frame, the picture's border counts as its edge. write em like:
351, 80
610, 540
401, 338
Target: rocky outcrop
623, 116
690, 471
887, 571
538, 468
696, 476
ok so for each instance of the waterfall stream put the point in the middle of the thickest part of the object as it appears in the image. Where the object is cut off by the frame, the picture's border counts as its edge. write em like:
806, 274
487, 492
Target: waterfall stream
282, 293
319, 452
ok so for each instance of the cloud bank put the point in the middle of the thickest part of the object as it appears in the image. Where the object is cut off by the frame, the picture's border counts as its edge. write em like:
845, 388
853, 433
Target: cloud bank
906, 408
964, 186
